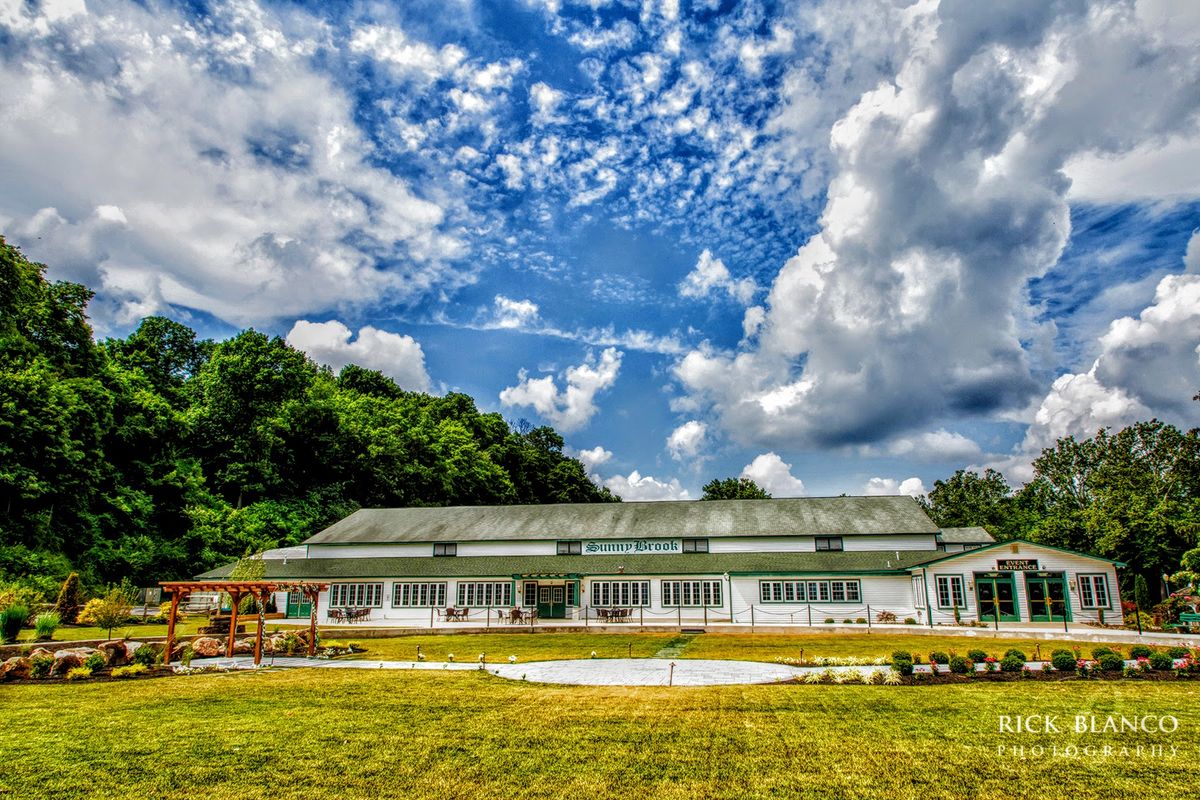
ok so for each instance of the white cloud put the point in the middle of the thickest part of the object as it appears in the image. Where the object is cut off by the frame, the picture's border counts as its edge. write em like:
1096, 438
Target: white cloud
913, 487
511, 313
939, 445
397, 356
710, 274
593, 458
774, 475
545, 101
637, 487
910, 304
251, 199
686, 441
572, 408
408, 58
1152, 171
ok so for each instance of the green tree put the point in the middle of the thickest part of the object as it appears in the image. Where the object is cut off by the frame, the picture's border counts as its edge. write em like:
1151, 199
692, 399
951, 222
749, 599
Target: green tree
113, 608
70, 599
734, 489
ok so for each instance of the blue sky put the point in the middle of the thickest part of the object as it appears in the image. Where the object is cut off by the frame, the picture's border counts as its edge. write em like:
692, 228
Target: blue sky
832, 247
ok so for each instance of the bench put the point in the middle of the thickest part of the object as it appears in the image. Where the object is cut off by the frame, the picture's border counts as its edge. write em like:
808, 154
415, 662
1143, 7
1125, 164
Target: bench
1189, 621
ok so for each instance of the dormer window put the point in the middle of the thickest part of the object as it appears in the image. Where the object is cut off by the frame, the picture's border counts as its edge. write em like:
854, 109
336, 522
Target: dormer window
445, 549
829, 543
570, 548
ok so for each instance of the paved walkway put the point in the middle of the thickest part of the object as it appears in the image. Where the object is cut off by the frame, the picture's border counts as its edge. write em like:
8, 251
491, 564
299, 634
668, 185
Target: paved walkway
581, 672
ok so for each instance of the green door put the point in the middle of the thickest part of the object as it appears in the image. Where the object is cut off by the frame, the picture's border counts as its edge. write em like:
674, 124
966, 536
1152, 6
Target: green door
1047, 594
298, 605
552, 602
996, 595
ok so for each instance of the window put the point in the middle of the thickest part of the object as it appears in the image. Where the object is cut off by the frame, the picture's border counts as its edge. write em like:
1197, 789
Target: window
950, 593
530, 594
356, 595
445, 549
620, 593
406, 595
695, 545
809, 591
487, 593
570, 548
1093, 591
691, 593
918, 587
829, 543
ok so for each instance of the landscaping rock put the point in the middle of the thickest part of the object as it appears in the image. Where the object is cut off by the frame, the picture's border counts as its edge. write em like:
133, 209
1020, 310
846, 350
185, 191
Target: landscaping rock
116, 653
66, 660
206, 647
41, 651
15, 668
243, 647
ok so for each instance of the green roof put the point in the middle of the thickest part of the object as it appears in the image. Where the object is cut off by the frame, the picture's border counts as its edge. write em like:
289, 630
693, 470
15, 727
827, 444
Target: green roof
838, 563
807, 516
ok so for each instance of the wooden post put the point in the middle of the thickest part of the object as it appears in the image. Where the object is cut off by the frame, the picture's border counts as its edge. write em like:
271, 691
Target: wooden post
175, 593
752, 617
312, 622
258, 635
236, 596
868, 617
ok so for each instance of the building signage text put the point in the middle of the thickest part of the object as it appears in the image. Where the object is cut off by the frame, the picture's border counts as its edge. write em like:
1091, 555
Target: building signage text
620, 547
1017, 564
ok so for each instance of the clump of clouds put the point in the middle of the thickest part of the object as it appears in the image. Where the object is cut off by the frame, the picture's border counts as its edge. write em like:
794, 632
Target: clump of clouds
913, 487
711, 275
774, 475
572, 407
332, 343
637, 487
686, 441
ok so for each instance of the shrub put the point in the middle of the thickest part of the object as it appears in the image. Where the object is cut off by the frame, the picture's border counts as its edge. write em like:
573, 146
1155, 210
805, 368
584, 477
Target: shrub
145, 656
39, 666
860, 621
1063, 660
977, 656
939, 657
45, 625
1161, 661
95, 662
1012, 651
1132, 621
1178, 652
960, 665
1012, 663
185, 658
78, 673
885, 616
903, 665
129, 671
1111, 662
70, 599
904, 654
829, 620
909, 621
1097, 652
847, 622
12, 619
1140, 651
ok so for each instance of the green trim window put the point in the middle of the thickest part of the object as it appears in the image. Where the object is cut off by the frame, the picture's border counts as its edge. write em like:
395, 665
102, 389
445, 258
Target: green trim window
695, 545
484, 593
356, 595
531, 594
951, 592
409, 595
918, 587
445, 549
1093, 591
572, 548
620, 593
824, 543
839, 591
691, 593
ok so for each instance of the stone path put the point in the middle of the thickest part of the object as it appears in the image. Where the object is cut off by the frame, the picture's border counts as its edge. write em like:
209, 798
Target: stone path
581, 672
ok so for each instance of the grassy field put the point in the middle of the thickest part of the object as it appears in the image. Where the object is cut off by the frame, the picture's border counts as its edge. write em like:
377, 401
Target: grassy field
370, 734
746, 647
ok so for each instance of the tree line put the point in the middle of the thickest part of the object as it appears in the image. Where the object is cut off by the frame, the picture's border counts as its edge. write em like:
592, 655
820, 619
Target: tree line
159, 455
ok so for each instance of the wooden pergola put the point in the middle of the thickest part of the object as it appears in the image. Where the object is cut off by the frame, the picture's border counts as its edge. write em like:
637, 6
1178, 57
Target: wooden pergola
261, 591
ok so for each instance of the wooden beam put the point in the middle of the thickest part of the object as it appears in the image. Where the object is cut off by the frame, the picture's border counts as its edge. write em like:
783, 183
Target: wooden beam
236, 595
313, 593
258, 635
175, 598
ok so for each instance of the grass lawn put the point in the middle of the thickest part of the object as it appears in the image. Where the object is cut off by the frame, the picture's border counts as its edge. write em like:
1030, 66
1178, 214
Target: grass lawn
370, 734
70, 633
499, 646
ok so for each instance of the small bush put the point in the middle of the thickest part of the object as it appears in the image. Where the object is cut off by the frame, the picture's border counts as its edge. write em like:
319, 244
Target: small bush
1063, 660
128, 672
860, 621
885, 616
95, 662
12, 619
1097, 652
1178, 652
939, 657
847, 622
1161, 661
977, 656
185, 658
903, 665
1140, 651
1132, 621
46, 624
909, 621
903, 654
960, 665
78, 673
1012, 651
145, 656
1111, 662
1012, 663
829, 620
39, 666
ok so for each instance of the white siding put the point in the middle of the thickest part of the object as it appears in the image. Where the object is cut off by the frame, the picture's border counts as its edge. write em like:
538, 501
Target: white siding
807, 544
409, 550
905, 541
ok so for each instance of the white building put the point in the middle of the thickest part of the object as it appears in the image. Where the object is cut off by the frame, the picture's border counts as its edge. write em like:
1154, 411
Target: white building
791, 561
